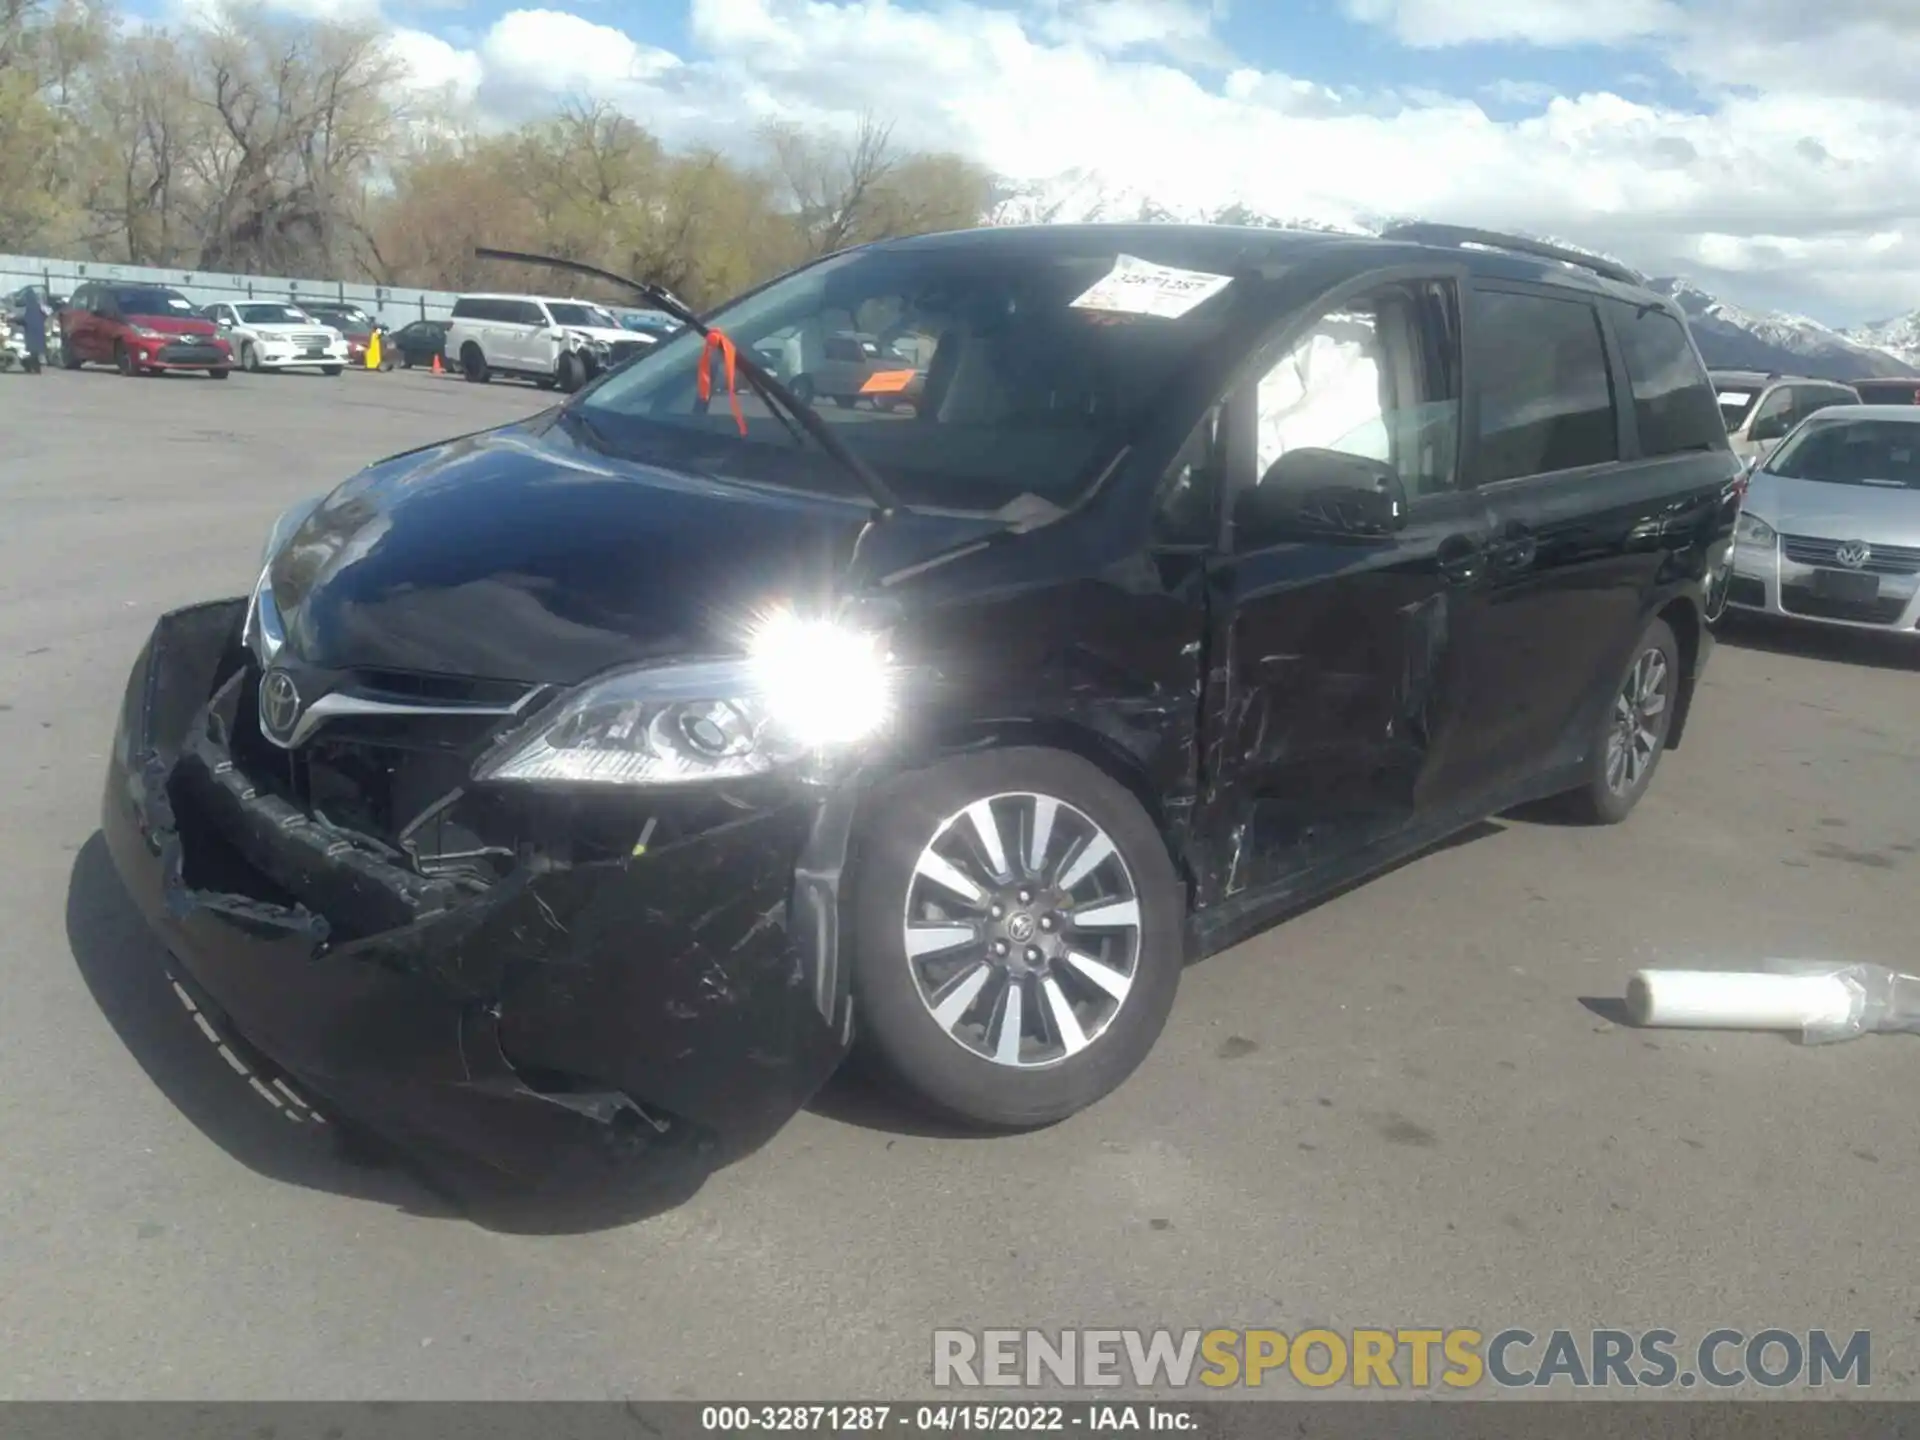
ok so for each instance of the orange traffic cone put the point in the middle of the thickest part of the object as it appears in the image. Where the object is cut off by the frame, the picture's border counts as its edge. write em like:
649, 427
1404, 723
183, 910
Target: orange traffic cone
438, 368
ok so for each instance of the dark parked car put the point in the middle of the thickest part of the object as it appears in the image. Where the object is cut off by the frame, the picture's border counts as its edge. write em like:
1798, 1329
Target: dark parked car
419, 343
585, 788
140, 329
1887, 392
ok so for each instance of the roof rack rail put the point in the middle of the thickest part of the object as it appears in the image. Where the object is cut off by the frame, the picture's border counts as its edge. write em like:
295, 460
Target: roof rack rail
1457, 235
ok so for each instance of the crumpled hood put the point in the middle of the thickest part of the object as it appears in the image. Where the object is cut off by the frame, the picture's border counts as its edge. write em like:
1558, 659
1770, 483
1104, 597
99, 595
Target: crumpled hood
519, 554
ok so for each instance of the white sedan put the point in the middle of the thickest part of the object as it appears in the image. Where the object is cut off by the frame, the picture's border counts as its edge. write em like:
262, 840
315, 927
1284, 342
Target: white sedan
270, 336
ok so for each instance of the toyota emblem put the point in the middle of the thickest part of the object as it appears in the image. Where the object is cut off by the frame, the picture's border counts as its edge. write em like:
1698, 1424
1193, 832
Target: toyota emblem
1853, 554
279, 705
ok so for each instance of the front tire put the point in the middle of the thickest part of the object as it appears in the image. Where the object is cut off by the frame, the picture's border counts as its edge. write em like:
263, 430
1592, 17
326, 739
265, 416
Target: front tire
473, 364
332, 369
572, 373
991, 1009
249, 359
69, 356
218, 374
1627, 746
123, 359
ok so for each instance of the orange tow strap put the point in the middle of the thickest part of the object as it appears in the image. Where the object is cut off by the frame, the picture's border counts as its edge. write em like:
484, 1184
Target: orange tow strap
703, 379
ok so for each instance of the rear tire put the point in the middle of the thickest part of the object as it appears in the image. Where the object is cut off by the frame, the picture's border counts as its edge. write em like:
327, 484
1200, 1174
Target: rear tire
1628, 742
1037, 1036
473, 364
802, 388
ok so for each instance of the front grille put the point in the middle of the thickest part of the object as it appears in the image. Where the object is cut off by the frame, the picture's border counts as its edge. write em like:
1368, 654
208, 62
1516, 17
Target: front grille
1798, 600
188, 353
310, 342
1883, 559
376, 774
1745, 590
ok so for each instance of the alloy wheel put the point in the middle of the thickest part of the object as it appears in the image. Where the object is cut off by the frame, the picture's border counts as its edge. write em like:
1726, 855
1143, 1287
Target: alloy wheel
1022, 928
1639, 721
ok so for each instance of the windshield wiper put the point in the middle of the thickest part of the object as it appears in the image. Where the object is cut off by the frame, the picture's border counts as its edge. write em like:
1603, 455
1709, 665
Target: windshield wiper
777, 396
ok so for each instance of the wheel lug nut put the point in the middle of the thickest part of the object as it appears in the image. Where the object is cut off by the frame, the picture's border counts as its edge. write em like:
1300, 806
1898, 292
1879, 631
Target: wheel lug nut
1033, 955
999, 947
1026, 896
1046, 922
997, 911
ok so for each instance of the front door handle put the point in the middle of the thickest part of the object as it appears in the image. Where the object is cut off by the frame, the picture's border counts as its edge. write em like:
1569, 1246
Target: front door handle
1514, 548
1461, 559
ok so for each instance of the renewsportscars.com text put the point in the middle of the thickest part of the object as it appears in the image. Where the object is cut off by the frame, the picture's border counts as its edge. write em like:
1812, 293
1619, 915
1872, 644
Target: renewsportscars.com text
1412, 1359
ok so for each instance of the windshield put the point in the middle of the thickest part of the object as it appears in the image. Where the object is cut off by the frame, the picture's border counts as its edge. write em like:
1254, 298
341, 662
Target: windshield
1881, 453
966, 376
346, 315
570, 312
154, 302
273, 315
1736, 402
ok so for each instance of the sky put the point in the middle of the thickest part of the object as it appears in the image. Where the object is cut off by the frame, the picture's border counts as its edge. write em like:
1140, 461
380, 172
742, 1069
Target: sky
1769, 150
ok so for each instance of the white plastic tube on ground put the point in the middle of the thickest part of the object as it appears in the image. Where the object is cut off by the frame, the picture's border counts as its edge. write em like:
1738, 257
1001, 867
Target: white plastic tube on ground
1740, 1000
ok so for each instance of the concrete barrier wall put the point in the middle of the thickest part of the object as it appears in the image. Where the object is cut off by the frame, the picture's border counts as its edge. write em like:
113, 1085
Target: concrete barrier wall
394, 304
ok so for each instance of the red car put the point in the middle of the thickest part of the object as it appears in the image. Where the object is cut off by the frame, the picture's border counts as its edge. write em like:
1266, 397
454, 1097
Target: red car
140, 329
350, 320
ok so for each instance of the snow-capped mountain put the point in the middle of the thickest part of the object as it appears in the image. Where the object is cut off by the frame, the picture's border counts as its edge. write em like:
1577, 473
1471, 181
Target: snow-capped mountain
1736, 339
1729, 337
1899, 337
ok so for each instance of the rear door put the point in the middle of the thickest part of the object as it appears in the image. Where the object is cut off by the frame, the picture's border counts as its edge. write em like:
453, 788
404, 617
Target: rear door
1599, 446
1341, 656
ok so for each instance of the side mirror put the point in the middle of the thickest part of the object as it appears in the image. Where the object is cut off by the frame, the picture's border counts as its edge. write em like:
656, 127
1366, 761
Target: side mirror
1323, 494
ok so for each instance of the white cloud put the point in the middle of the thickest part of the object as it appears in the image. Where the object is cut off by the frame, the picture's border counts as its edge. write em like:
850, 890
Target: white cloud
556, 51
434, 65
1806, 192
1435, 23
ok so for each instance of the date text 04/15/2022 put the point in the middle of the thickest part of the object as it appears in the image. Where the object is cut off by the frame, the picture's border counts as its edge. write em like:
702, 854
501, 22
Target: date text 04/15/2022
946, 1419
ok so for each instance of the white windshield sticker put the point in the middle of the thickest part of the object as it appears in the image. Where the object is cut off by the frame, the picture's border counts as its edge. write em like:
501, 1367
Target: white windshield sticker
1735, 397
176, 303
1139, 287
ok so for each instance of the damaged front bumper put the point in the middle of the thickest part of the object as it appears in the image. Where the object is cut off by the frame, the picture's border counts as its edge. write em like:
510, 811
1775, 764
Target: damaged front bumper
675, 1004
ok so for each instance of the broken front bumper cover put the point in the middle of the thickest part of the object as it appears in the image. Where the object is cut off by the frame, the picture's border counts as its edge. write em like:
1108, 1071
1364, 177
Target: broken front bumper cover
677, 1006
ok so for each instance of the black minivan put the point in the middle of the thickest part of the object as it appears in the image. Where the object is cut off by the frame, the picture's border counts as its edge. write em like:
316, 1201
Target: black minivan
588, 787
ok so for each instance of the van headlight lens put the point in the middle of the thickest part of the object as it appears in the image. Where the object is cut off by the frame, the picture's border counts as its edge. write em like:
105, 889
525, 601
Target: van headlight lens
804, 687
1752, 530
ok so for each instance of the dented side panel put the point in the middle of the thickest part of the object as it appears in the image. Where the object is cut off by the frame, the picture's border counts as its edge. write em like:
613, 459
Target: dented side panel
1337, 693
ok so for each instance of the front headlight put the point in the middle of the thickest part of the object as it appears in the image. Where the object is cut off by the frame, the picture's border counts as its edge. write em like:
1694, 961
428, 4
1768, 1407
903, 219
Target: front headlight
262, 632
804, 687
1752, 530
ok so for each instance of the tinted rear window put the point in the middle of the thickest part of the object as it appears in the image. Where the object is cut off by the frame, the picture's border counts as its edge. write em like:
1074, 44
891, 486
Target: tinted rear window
1880, 453
1889, 392
1673, 401
1546, 396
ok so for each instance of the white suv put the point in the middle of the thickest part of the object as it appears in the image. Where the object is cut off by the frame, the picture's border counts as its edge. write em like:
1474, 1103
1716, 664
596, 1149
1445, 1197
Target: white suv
562, 343
269, 336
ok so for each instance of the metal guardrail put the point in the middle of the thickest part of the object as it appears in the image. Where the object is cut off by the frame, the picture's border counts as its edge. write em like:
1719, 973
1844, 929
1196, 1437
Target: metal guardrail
395, 305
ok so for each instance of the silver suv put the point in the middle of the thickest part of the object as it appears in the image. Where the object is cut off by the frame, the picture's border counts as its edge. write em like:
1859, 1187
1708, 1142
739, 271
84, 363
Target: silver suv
1761, 408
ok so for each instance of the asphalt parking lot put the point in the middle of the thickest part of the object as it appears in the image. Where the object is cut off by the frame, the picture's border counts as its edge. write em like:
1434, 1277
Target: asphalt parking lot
1407, 1106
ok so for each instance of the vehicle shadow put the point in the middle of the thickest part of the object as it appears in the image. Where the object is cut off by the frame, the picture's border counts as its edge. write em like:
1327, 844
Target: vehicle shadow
123, 966
1880, 650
